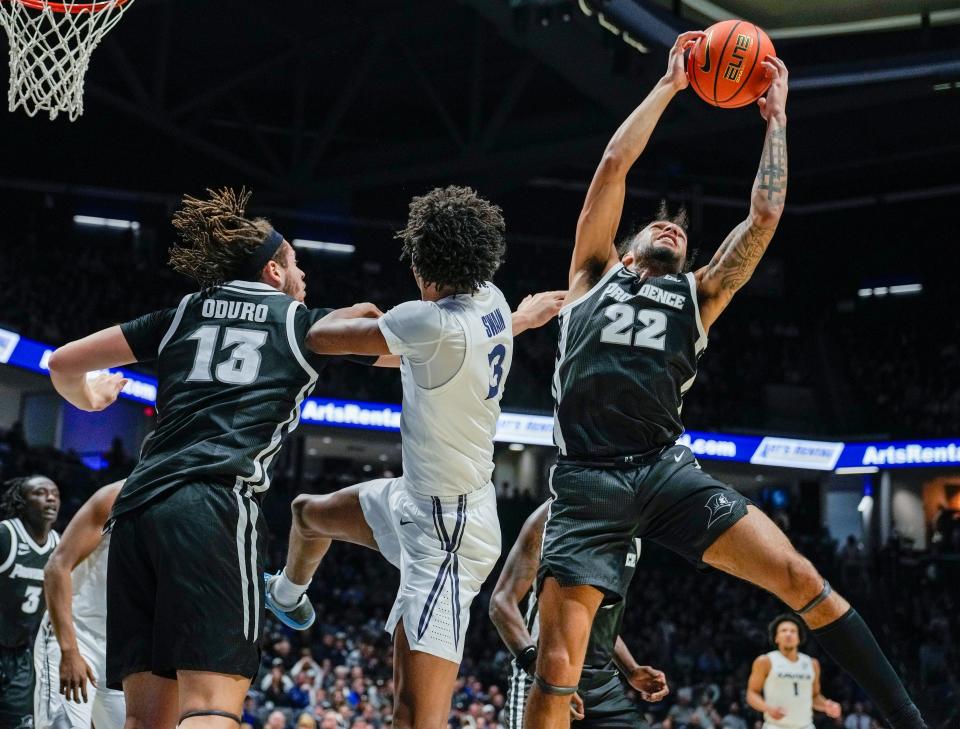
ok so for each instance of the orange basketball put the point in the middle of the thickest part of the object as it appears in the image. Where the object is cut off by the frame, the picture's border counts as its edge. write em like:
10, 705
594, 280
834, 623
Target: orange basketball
724, 68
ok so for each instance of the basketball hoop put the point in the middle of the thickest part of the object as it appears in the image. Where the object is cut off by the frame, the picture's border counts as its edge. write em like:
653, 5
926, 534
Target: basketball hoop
50, 48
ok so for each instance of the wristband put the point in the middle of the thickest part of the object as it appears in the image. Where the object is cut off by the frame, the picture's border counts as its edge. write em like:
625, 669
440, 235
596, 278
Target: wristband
527, 658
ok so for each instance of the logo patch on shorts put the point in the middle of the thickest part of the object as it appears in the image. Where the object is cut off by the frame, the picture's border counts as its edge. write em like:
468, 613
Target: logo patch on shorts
632, 559
719, 506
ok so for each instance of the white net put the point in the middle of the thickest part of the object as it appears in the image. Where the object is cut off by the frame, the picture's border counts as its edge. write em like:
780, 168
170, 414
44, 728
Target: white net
50, 48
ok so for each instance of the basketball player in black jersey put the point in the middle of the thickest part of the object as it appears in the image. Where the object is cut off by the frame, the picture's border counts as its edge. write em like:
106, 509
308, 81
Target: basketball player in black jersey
602, 700
28, 508
185, 597
631, 332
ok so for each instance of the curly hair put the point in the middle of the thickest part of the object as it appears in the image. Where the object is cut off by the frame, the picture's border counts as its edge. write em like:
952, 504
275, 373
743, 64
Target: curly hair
12, 502
454, 238
786, 618
217, 240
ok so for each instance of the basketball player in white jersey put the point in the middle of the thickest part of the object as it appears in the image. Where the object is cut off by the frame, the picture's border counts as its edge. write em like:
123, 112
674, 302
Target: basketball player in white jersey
71, 646
784, 684
437, 523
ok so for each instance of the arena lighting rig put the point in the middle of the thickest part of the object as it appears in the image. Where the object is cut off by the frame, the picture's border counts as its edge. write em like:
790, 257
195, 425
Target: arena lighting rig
522, 428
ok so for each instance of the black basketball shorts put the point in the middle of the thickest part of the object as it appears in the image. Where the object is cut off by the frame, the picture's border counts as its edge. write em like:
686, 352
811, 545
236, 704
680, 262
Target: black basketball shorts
185, 585
606, 703
597, 512
16, 687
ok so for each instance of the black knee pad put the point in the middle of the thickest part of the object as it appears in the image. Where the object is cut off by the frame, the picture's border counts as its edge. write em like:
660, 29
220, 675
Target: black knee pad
549, 688
210, 712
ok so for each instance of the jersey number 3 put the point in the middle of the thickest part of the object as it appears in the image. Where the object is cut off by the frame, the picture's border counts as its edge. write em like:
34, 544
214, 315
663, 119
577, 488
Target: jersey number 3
620, 330
32, 601
243, 365
496, 357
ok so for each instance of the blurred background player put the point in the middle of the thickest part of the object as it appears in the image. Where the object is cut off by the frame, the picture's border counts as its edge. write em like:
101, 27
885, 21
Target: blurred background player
185, 601
70, 656
602, 700
28, 509
438, 523
784, 684
631, 333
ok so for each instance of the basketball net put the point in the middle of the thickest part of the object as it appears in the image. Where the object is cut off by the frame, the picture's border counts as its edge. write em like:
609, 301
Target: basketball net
50, 48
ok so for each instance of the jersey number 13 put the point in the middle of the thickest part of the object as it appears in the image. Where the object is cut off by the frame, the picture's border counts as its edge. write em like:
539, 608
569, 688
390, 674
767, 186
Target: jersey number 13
243, 364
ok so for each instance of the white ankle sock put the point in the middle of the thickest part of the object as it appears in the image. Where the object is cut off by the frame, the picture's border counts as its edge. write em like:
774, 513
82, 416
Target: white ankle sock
285, 592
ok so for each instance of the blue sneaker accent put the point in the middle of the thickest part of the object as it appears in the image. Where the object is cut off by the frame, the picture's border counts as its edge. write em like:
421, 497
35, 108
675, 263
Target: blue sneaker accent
299, 617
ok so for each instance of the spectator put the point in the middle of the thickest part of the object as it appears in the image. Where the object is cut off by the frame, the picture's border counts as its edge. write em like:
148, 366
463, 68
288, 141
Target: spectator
733, 720
858, 718
306, 721
276, 720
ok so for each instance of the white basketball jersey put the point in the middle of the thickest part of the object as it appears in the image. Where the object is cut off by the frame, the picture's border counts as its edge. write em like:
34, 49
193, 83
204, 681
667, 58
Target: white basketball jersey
447, 431
789, 685
90, 596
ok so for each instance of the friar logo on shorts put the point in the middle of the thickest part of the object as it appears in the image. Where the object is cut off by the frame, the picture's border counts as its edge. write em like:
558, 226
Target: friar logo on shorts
719, 506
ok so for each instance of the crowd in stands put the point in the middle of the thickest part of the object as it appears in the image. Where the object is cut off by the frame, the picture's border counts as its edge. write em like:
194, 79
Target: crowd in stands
703, 630
916, 381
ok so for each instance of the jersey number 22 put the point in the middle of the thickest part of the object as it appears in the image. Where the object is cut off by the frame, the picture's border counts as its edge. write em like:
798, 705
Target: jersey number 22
620, 330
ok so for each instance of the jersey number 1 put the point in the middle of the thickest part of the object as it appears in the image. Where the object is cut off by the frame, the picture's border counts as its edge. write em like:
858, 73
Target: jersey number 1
621, 328
243, 365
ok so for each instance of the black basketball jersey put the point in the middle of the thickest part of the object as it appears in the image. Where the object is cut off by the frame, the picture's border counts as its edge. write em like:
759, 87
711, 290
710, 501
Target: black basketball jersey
21, 582
232, 373
606, 622
627, 353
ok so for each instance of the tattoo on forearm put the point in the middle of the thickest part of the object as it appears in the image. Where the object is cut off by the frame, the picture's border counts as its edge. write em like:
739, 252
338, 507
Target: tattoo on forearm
772, 175
742, 257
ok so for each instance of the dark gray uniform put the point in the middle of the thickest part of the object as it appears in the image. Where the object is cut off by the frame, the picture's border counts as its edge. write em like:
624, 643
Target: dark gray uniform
602, 687
187, 551
21, 608
627, 354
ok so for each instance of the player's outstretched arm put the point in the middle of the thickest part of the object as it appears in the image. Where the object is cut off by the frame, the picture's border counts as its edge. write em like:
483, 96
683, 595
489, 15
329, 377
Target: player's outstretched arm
649, 681
70, 364
82, 536
820, 702
536, 310
516, 579
595, 251
352, 330
758, 675
735, 261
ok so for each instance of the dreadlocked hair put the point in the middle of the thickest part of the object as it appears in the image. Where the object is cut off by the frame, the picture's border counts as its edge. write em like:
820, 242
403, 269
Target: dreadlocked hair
216, 238
12, 502
454, 238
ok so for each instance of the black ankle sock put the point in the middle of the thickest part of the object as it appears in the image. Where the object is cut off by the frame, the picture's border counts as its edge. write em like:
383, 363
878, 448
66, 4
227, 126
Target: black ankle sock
850, 643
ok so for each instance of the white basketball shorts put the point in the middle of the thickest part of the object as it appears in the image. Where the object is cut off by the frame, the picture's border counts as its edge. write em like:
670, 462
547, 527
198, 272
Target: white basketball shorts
104, 709
444, 547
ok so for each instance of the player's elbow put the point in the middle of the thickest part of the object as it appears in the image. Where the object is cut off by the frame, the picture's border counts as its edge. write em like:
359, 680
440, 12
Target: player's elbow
61, 362
496, 609
53, 570
613, 164
766, 214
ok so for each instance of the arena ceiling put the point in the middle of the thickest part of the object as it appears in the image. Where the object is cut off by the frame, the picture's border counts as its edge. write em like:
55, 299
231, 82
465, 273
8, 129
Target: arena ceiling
350, 107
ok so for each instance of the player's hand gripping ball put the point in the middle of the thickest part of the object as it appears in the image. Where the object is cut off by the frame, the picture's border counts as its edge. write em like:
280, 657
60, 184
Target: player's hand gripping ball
725, 66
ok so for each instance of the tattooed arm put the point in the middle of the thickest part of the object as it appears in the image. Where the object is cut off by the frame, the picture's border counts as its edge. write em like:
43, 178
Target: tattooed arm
734, 262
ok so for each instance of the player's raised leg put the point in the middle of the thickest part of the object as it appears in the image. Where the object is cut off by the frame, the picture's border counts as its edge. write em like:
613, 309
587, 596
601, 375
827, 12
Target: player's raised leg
566, 615
317, 521
755, 550
423, 684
